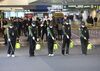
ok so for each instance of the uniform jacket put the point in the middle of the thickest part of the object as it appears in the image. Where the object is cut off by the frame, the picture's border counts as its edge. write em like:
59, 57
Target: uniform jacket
67, 30
84, 32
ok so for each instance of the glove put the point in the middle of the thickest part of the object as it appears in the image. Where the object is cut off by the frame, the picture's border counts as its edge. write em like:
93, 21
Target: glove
37, 39
33, 38
53, 38
41, 25
85, 38
62, 41
67, 36
9, 40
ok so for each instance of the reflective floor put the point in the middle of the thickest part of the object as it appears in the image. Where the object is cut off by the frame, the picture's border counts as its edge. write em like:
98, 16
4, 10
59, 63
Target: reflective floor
73, 62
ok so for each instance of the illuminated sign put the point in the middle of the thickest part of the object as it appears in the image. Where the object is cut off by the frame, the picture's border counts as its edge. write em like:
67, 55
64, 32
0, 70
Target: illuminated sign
80, 6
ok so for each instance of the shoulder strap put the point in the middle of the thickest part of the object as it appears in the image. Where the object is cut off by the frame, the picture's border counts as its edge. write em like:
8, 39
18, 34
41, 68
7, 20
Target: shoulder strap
64, 31
30, 32
8, 33
48, 29
81, 32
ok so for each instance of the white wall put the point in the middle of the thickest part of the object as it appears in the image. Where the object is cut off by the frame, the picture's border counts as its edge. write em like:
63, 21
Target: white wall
14, 2
4, 2
18, 2
29, 1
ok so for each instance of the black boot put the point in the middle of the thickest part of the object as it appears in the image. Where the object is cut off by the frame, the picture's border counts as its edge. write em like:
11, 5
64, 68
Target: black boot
63, 52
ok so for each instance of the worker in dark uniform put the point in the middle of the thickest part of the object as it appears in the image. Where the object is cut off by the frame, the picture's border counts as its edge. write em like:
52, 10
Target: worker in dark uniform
17, 25
66, 37
11, 37
25, 25
84, 36
38, 25
44, 29
32, 38
50, 39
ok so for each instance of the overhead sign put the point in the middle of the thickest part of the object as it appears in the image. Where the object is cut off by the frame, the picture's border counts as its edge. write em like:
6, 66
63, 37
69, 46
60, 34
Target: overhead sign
87, 6
57, 7
80, 6
40, 8
69, 6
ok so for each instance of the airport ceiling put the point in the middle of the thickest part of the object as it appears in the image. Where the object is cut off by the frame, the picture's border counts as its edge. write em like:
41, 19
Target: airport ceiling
66, 2
1, 0
32, 4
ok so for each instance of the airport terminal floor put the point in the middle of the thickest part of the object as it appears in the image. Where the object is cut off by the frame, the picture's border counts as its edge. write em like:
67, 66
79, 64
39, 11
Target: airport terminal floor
75, 61
48, 23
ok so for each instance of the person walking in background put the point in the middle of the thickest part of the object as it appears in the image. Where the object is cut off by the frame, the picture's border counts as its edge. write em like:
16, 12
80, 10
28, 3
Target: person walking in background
44, 29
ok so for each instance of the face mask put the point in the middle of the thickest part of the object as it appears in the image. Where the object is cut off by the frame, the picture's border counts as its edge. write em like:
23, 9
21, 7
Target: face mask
51, 26
66, 23
11, 26
65, 17
33, 25
83, 26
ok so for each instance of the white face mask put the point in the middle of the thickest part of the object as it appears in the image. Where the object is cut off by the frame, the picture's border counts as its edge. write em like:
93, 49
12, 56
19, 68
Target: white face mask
33, 25
65, 17
11, 26
83, 26
51, 26
66, 23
